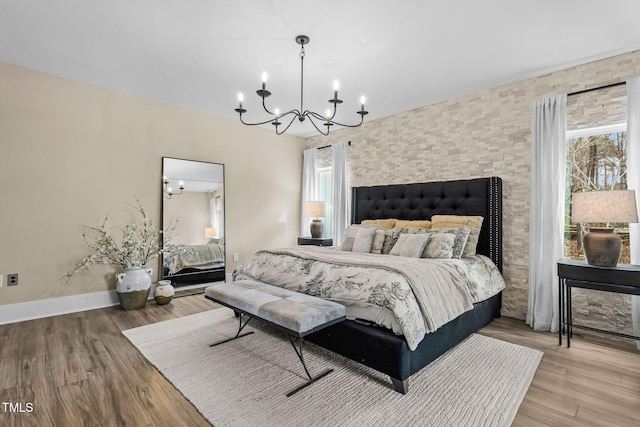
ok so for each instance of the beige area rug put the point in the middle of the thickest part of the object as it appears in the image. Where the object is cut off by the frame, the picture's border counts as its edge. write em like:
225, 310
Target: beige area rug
481, 382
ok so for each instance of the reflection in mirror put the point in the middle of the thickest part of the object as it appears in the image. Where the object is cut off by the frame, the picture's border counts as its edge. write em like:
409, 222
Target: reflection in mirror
193, 198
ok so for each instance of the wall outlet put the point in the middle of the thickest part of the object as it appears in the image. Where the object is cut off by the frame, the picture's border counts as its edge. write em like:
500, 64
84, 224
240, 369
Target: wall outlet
235, 257
12, 279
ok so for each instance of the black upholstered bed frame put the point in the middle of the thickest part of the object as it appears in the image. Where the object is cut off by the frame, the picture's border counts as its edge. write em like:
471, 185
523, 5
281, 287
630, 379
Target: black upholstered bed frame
381, 349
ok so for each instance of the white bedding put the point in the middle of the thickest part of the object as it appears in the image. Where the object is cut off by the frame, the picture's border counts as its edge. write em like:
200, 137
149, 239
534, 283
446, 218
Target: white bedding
411, 296
177, 257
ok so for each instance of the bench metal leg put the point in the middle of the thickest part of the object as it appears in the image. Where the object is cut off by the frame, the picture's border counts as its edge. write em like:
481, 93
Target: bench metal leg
304, 365
238, 335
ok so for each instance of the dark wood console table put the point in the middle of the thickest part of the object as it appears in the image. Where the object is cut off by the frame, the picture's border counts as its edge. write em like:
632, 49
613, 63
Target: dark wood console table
623, 279
315, 241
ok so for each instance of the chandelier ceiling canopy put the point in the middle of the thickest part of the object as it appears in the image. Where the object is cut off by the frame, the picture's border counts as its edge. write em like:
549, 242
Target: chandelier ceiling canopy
301, 114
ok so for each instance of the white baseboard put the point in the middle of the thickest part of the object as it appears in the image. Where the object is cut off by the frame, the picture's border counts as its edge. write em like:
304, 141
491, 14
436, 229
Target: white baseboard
20, 312
31, 310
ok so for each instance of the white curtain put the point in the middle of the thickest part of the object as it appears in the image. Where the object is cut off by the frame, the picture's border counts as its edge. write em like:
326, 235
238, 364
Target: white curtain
633, 182
546, 229
340, 172
308, 188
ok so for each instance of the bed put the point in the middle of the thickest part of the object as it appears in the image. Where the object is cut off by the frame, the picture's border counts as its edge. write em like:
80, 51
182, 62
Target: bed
364, 341
185, 264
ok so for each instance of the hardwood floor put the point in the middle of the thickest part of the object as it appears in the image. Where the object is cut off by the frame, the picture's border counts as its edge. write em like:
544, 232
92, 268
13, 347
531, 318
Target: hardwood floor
78, 369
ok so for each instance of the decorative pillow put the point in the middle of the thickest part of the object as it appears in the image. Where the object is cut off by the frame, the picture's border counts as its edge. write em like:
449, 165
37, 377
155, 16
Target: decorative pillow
364, 240
382, 223
390, 239
474, 223
378, 241
440, 245
412, 230
349, 237
460, 236
410, 245
413, 223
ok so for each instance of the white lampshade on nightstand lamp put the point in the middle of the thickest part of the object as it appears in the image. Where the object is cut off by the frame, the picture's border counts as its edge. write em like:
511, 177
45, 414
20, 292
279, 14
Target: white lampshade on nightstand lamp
210, 232
601, 244
316, 209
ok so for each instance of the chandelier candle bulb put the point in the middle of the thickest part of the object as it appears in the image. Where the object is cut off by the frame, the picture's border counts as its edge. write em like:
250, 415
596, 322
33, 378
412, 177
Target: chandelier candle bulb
264, 81
275, 122
240, 99
362, 99
336, 85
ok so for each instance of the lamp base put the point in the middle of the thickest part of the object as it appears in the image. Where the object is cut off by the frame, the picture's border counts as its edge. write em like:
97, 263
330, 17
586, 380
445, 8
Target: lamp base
317, 227
602, 247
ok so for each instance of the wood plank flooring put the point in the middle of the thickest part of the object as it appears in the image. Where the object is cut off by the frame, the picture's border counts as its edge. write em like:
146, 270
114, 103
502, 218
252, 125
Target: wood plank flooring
78, 369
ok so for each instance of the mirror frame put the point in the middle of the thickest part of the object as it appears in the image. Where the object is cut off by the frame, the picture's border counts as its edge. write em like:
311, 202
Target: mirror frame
194, 277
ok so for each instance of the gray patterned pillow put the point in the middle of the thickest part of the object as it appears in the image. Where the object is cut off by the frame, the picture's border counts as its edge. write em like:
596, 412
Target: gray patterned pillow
440, 245
410, 245
390, 239
459, 240
378, 241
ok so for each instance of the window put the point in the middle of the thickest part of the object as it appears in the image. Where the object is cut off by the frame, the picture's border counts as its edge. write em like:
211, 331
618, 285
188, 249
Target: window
596, 161
324, 184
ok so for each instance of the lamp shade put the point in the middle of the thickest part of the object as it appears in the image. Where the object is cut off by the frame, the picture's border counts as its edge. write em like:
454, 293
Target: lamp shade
210, 232
604, 206
317, 209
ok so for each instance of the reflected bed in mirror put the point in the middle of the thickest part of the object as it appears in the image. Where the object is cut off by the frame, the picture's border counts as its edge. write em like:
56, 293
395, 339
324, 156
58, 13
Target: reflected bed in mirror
193, 198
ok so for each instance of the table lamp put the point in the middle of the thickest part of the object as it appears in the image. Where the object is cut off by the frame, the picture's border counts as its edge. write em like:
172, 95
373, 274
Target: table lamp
210, 232
602, 245
316, 209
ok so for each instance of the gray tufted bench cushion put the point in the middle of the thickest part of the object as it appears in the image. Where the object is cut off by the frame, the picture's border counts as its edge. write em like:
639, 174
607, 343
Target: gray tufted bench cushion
299, 314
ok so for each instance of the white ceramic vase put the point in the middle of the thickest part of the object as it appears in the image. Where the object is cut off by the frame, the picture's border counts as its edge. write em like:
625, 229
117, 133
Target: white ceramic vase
164, 292
133, 287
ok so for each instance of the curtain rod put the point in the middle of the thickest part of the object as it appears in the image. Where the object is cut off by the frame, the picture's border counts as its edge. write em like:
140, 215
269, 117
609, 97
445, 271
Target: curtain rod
596, 88
327, 146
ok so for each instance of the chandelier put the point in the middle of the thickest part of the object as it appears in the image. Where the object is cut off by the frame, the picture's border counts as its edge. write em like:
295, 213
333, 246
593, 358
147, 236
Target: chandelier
168, 191
301, 114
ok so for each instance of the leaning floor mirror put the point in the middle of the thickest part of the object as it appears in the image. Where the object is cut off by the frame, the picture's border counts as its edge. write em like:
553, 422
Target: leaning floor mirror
193, 206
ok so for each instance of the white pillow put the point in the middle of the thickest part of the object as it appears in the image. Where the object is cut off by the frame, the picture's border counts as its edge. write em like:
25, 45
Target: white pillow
410, 245
363, 240
349, 238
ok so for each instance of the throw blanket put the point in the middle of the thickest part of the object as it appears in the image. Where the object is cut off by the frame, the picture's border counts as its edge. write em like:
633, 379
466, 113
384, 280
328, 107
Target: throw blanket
423, 294
177, 257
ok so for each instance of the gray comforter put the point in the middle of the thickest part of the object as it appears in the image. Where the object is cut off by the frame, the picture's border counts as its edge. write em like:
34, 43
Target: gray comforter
423, 294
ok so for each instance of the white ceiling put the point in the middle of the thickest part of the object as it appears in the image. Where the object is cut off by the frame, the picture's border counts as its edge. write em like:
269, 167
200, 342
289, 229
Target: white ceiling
201, 177
401, 54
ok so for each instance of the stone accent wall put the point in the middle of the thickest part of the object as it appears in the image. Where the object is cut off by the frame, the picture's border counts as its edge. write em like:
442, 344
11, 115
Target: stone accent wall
597, 108
479, 135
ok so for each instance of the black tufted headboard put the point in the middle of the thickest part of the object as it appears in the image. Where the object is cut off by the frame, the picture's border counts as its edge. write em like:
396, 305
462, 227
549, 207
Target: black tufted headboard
480, 196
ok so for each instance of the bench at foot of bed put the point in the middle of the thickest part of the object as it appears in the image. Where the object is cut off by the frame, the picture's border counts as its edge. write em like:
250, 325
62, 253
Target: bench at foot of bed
296, 314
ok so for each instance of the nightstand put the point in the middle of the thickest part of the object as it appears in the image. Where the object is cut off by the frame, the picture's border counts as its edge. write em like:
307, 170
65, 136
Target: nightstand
622, 279
320, 241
